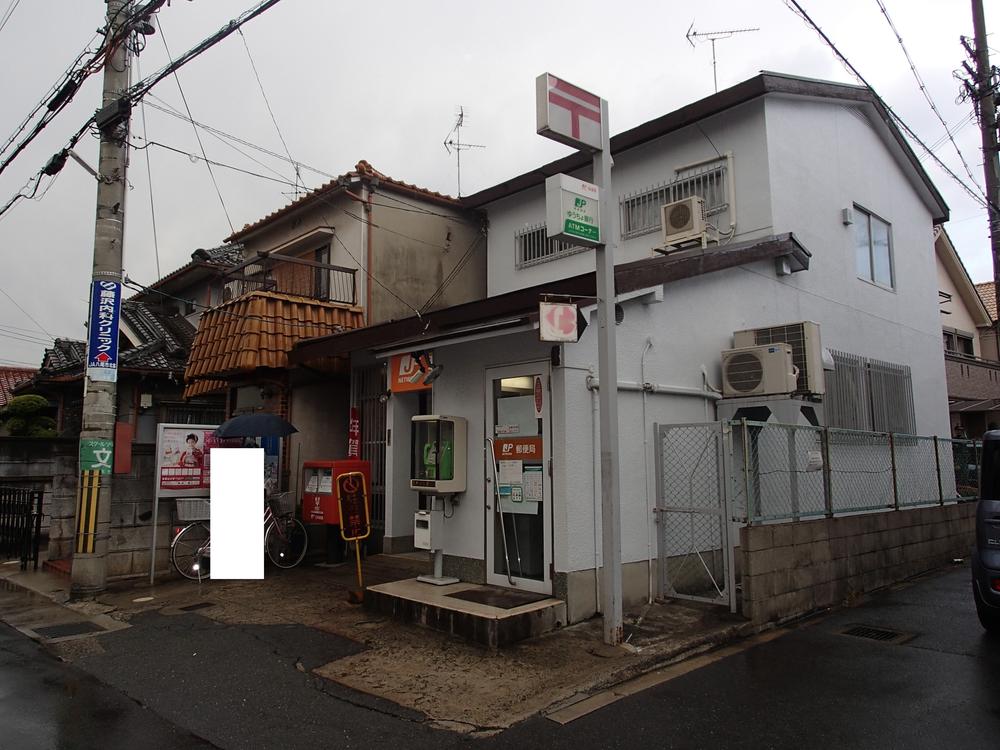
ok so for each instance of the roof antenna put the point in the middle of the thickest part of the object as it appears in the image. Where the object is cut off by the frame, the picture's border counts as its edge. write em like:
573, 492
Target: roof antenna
692, 36
453, 142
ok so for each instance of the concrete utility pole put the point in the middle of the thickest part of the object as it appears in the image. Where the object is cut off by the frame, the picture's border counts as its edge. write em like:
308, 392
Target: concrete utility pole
982, 93
89, 572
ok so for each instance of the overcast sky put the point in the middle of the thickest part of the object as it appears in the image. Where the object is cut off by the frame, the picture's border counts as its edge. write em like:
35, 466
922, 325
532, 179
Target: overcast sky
383, 81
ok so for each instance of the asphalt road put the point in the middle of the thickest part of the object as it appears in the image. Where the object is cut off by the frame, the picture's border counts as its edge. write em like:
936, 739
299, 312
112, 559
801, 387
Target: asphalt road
817, 688
184, 681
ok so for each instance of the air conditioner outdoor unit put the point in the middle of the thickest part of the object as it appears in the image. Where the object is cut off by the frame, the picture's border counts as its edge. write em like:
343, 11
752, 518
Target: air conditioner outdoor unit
807, 351
683, 220
758, 371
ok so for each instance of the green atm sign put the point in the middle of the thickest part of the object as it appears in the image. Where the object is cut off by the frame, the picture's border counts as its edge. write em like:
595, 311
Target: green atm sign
572, 210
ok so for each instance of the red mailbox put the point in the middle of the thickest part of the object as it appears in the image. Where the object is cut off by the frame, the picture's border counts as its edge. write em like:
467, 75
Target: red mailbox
319, 482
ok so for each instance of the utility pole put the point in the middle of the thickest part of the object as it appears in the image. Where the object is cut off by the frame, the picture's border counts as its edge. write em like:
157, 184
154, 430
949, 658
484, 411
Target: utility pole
980, 89
89, 571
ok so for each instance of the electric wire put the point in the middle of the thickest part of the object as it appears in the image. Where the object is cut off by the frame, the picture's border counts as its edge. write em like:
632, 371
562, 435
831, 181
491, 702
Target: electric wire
215, 163
197, 134
33, 365
796, 8
28, 314
149, 178
8, 13
927, 95
270, 111
372, 276
453, 274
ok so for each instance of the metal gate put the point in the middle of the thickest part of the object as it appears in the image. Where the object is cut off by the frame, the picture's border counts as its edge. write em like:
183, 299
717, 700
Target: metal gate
693, 518
368, 389
20, 524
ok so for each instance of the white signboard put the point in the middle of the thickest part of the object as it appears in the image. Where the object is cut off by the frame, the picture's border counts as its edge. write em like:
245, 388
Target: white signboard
567, 113
557, 321
572, 210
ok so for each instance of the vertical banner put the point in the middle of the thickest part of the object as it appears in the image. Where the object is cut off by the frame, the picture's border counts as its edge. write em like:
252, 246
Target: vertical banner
354, 434
102, 335
237, 514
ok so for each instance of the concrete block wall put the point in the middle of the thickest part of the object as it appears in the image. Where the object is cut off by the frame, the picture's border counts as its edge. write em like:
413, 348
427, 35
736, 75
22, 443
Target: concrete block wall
131, 532
48, 464
791, 569
968, 379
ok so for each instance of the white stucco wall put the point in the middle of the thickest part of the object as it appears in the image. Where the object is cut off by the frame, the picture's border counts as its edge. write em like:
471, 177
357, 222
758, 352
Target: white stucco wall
954, 313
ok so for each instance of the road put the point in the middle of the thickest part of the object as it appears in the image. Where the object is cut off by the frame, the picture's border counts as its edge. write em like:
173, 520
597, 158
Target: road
183, 681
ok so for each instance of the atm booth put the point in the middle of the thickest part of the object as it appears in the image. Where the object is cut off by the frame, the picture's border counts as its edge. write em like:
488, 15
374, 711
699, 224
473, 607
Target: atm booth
319, 499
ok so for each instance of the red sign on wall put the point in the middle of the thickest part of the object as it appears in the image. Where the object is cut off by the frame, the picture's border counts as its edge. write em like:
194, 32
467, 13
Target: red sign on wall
354, 434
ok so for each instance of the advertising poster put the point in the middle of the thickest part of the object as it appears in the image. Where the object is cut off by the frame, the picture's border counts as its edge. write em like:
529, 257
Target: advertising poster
184, 458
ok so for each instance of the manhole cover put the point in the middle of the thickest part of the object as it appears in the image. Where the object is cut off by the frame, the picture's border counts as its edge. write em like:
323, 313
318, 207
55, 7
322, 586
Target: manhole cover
198, 605
883, 635
498, 597
67, 629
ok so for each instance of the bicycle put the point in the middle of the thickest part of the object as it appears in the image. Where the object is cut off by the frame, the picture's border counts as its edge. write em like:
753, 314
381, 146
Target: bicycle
285, 542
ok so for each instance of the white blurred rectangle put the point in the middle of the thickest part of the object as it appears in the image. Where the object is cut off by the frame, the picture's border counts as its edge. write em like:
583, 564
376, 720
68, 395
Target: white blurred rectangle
237, 493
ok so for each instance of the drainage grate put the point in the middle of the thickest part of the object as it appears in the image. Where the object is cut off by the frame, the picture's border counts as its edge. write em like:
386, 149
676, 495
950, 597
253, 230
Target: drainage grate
199, 605
68, 629
883, 635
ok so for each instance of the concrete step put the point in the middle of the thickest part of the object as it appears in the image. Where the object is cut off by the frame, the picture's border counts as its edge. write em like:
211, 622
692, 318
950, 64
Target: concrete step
489, 615
63, 567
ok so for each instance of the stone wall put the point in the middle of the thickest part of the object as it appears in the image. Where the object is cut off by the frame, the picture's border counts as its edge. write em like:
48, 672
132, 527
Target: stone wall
131, 532
791, 569
48, 464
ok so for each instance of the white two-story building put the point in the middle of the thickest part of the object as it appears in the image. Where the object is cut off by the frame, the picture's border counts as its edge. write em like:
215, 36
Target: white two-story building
820, 212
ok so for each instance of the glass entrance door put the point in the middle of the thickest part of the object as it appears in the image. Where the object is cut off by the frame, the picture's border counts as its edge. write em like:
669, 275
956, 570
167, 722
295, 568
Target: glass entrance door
518, 487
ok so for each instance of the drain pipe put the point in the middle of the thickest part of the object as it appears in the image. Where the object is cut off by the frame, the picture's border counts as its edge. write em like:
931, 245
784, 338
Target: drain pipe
593, 384
645, 471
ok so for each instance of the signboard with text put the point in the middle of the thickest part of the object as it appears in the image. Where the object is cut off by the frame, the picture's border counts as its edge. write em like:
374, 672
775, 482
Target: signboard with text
406, 374
557, 321
183, 459
102, 335
352, 501
572, 210
96, 455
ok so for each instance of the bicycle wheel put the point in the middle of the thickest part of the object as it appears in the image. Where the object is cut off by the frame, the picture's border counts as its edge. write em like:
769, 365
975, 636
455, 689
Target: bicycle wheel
286, 542
189, 552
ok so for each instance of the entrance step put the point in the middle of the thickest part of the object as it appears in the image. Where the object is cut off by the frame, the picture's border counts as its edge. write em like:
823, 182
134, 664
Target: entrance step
488, 615
63, 567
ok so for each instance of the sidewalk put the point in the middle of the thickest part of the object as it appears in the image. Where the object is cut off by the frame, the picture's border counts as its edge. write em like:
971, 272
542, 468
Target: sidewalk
455, 685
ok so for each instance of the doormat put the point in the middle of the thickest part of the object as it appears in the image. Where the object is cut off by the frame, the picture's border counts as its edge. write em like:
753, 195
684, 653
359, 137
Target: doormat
67, 629
499, 598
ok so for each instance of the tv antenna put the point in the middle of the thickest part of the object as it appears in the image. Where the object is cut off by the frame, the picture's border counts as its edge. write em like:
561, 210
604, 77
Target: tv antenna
712, 36
453, 143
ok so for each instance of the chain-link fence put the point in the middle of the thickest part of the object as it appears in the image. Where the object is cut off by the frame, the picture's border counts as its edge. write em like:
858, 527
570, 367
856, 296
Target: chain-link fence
791, 472
692, 519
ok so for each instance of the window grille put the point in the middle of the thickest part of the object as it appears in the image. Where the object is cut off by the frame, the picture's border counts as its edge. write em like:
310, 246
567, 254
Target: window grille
534, 247
640, 211
869, 394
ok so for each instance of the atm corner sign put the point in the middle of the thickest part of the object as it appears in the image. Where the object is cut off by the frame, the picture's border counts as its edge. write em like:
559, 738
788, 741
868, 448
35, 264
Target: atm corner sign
572, 210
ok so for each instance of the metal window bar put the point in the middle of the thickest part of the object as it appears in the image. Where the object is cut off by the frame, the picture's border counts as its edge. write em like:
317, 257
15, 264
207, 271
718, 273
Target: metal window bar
640, 210
368, 386
869, 394
534, 247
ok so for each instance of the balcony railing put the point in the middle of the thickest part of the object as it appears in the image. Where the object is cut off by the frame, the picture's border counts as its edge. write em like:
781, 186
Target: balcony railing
293, 276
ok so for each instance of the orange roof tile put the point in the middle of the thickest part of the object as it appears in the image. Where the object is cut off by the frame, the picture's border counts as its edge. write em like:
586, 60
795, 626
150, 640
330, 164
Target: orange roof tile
258, 330
361, 169
10, 378
988, 294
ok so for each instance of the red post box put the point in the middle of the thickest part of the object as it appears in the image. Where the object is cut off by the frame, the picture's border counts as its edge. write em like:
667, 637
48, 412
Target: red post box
319, 482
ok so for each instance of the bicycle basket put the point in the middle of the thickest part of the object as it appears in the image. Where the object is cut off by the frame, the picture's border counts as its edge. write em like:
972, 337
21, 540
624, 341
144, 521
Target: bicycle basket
193, 509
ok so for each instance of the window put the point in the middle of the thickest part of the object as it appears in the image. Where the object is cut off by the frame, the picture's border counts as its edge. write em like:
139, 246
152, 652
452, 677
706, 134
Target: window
640, 211
873, 252
959, 342
869, 394
534, 247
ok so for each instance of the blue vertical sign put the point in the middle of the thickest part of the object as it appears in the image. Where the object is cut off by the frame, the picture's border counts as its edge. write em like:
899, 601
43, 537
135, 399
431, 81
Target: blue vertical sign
102, 347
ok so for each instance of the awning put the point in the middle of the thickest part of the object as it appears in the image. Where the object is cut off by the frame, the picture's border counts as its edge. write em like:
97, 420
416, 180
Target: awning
988, 404
258, 330
519, 306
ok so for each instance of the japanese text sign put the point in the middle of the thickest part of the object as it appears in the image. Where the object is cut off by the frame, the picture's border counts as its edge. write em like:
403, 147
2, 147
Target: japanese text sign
352, 499
102, 340
567, 113
96, 455
572, 210
405, 374
354, 434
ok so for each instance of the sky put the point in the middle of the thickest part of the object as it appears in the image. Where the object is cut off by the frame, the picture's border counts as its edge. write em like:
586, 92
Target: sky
383, 82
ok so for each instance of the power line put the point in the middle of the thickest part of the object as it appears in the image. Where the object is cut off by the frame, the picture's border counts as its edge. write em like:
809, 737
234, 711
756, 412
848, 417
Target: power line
8, 13
197, 135
794, 6
28, 314
927, 95
371, 276
267, 103
149, 177
213, 162
33, 365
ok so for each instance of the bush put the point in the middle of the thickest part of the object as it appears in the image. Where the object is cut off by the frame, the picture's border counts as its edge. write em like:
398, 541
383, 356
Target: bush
25, 416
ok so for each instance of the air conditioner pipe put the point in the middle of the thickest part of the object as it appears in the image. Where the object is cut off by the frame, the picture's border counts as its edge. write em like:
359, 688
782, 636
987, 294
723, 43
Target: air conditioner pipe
594, 384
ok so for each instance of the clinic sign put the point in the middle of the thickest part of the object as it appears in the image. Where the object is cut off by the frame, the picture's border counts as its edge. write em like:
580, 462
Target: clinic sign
102, 344
572, 210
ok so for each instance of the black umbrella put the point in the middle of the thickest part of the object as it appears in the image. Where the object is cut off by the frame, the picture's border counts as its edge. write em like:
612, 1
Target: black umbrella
255, 425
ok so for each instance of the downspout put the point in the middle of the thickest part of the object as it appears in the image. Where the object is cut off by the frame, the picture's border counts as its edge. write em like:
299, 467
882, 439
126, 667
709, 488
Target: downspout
367, 229
645, 470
